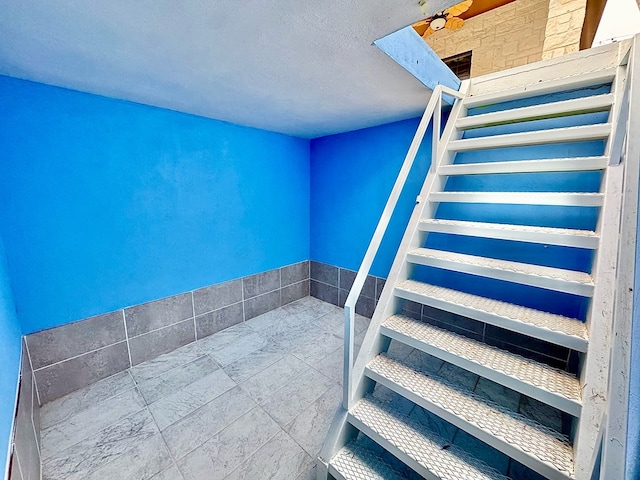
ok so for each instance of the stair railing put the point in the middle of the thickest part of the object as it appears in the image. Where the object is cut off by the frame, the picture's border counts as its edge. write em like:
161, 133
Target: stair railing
433, 111
614, 424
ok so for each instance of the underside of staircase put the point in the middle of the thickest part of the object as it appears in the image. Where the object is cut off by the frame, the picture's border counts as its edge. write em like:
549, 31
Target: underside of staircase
511, 251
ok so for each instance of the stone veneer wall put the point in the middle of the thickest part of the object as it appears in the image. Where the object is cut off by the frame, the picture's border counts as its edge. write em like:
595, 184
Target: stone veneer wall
564, 27
504, 37
25, 447
75, 355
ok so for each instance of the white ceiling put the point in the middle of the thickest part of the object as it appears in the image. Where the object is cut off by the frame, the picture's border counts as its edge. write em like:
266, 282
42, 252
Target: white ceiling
292, 66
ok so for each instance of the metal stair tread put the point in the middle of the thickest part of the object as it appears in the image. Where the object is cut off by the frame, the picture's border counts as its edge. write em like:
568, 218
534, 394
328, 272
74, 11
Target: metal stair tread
427, 450
529, 372
584, 80
594, 103
354, 462
525, 233
585, 199
569, 164
506, 265
532, 441
536, 137
505, 226
516, 313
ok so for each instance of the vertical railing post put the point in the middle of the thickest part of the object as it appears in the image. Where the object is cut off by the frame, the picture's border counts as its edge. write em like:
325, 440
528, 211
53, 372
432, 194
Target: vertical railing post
348, 355
437, 119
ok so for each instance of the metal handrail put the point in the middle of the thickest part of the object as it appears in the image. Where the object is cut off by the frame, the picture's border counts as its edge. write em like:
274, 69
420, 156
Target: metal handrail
433, 106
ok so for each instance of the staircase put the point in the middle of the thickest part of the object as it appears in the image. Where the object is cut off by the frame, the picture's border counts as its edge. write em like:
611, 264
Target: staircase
511, 253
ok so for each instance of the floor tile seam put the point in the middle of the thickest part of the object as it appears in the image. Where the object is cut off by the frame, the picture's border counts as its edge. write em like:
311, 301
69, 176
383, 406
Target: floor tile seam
95, 434
211, 435
300, 411
316, 370
257, 373
106, 399
201, 354
249, 457
78, 356
133, 446
126, 336
171, 370
183, 388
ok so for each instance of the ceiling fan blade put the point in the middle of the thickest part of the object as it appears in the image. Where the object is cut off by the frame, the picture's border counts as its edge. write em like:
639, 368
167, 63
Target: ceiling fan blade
454, 23
458, 9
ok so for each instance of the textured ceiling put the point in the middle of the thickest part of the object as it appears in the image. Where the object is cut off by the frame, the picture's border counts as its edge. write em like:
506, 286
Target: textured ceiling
292, 66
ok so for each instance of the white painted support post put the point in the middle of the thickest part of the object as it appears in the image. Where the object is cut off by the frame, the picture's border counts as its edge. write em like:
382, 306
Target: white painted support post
614, 442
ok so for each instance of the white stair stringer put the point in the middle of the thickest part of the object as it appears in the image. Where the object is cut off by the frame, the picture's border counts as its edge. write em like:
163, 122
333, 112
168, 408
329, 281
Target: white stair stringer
517, 436
568, 332
568, 281
427, 454
537, 380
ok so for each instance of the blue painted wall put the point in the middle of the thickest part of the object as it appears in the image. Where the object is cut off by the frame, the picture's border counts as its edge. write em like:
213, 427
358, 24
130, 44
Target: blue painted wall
352, 175
9, 358
106, 203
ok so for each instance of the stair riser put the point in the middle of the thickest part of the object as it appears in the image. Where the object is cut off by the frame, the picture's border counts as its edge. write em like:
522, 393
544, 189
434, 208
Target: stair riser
550, 398
498, 443
546, 283
557, 338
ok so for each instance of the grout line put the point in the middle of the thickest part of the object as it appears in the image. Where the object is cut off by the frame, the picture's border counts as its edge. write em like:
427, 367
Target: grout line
126, 336
193, 312
80, 355
244, 318
26, 346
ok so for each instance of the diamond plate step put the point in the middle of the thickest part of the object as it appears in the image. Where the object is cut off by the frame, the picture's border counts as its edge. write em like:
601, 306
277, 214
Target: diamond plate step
556, 329
429, 455
354, 462
521, 233
554, 387
572, 164
582, 133
568, 281
576, 106
523, 439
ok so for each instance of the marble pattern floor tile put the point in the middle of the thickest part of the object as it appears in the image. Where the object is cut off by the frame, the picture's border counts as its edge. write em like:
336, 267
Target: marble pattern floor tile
66, 407
253, 401
89, 422
176, 379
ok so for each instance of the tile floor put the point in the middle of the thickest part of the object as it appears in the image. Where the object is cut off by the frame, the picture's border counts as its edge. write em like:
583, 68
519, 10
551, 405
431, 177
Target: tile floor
251, 402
